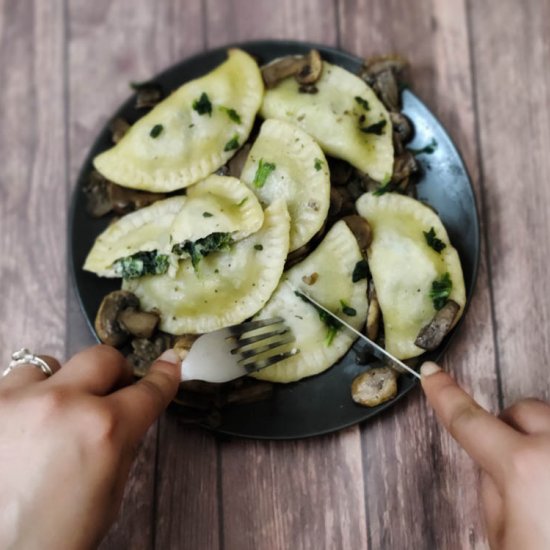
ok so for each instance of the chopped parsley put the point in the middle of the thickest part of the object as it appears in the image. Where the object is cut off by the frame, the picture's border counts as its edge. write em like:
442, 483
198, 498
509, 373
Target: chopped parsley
140, 264
242, 202
360, 271
232, 114
232, 144
207, 215
202, 105
428, 149
441, 290
383, 189
258, 247
332, 324
363, 102
156, 130
437, 244
349, 311
202, 247
376, 128
318, 164
262, 173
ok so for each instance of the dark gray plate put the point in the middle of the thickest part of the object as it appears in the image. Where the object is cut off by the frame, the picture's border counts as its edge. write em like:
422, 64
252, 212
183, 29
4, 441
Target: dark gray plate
320, 404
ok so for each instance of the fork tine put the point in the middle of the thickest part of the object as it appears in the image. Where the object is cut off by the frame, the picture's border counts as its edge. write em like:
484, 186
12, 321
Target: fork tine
242, 342
253, 366
239, 330
245, 354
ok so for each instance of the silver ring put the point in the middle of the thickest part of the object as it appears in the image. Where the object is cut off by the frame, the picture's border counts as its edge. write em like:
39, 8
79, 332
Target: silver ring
25, 357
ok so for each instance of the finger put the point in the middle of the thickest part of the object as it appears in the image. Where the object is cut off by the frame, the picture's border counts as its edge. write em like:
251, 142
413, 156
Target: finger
530, 416
493, 509
483, 436
27, 373
98, 370
143, 402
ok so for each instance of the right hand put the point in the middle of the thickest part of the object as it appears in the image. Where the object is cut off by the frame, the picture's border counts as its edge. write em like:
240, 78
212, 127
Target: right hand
513, 452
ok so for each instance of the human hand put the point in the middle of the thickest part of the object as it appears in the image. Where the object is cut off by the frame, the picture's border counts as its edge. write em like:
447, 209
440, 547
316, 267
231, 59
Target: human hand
67, 443
513, 452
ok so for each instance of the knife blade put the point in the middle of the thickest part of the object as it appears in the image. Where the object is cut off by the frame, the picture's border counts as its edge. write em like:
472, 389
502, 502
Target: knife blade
377, 351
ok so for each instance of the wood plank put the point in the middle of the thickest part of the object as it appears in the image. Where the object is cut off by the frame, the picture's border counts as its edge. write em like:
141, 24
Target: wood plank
512, 63
33, 202
110, 45
420, 487
303, 494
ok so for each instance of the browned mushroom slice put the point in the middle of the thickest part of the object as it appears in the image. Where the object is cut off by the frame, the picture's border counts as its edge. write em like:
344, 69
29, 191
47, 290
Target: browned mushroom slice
360, 227
373, 316
402, 126
404, 166
107, 326
125, 200
145, 351
141, 324
118, 128
374, 387
306, 69
433, 333
148, 95
96, 190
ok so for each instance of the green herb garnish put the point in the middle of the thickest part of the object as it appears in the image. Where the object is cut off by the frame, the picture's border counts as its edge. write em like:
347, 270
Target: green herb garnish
232, 144
360, 271
437, 244
207, 215
441, 290
349, 311
258, 247
140, 264
383, 189
262, 173
202, 105
428, 149
318, 164
363, 102
376, 128
202, 247
232, 114
332, 324
156, 130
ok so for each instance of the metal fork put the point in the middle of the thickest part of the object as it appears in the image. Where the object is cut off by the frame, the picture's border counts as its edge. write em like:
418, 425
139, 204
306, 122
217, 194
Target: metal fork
236, 351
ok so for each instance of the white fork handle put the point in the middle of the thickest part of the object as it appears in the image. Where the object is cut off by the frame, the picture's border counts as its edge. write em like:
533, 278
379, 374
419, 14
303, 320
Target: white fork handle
210, 359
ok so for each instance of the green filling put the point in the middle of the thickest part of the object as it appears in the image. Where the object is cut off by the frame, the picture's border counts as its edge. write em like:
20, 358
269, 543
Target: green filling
140, 264
202, 247
437, 244
441, 290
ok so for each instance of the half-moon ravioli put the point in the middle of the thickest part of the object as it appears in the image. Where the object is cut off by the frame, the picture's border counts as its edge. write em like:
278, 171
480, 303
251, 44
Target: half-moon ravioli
191, 133
344, 116
230, 286
404, 266
331, 266
285, 162
218, 205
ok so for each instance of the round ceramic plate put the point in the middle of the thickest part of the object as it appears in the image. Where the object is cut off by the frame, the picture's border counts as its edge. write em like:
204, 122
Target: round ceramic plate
323, 403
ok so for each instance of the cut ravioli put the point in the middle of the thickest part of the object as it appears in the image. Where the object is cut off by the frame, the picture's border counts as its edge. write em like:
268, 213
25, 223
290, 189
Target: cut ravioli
218, 205
230, 286
287, 163
344, 116
191, 133
333, 261
404, 266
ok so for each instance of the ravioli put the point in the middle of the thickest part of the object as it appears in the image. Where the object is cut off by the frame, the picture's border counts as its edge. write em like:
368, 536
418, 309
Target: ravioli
334, 261
191, 133
404, 266
229, 286
344, 116
285, 162
216, 205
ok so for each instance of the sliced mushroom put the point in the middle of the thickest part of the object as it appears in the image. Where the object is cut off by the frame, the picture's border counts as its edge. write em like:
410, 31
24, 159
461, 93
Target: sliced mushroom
402, 126
183, 344
374, 387
249, 392
118, 128
146, 351
362, 231
306, 69
141, 324
124, 200
373, 315
107, 325
404, 166
433, 333
148, 95
382, 74
96, 190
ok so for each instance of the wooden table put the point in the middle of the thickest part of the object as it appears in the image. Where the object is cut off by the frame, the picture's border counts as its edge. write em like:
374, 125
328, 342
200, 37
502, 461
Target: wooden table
399, 481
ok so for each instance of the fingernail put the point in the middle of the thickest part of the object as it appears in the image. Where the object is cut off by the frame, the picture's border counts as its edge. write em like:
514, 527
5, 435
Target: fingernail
170, 356
429, 368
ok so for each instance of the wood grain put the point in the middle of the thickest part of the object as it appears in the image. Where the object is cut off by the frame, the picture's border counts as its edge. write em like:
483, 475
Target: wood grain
516, 167
405, 452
